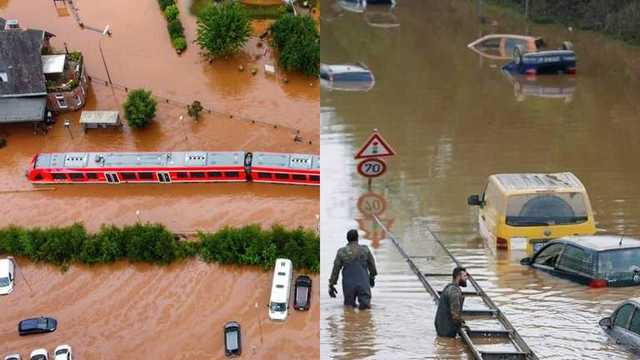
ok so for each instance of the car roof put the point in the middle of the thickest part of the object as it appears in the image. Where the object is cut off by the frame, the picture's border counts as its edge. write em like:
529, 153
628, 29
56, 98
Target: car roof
4, 266
334, 69
528, 182
602, 242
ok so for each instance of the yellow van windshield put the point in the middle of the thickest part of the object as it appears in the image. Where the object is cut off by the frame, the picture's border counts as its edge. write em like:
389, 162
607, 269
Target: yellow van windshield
546, 209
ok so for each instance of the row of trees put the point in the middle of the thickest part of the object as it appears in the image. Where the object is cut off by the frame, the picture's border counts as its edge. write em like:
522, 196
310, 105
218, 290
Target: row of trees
174, 25
153, 243
620, 18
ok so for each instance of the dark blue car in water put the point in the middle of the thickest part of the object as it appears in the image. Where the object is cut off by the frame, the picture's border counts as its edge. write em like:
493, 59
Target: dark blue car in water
542, 62
597, 261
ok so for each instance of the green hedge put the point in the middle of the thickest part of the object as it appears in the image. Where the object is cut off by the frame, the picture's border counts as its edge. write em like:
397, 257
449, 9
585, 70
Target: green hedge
298, 43
153, 243
174, 25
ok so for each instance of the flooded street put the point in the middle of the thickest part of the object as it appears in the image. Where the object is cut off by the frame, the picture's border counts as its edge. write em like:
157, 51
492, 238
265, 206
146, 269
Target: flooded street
454, 119
251, 113
126, 311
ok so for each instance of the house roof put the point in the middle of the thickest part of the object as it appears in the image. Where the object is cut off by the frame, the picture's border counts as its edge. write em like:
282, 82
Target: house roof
25, 109
20, 61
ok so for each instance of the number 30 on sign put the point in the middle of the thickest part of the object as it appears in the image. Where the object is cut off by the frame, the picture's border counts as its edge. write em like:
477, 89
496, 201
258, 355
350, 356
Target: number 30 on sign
372, 167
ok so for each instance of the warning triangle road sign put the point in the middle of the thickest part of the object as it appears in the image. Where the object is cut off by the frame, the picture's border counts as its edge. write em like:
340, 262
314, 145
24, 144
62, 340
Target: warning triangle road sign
375, 147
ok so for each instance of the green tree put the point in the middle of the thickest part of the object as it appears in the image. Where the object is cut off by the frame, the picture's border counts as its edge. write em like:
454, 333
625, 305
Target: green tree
171, 12
223, 28
194, 109
140, 108
298, 43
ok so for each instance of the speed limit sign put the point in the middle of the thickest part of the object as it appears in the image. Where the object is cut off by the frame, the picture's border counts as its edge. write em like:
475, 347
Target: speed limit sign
372, 167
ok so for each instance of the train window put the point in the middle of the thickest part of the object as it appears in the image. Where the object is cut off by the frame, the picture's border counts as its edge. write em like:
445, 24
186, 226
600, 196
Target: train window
92, 176
197, 174
214, 174
231, 174
59, 176
145, 176
263, 175
315, 178
128, 176
76, 176
299, 177
38, 177
282, 176
182, 175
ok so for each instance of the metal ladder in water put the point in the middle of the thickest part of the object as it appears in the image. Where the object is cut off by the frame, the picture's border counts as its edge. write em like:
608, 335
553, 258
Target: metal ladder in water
522, 350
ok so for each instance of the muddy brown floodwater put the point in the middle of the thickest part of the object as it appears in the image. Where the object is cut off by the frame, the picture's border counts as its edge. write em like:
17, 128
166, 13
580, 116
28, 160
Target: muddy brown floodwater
177, 312
454, 119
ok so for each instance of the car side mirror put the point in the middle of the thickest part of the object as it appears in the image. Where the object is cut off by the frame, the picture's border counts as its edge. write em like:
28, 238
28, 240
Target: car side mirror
526, 261
606, 322
474, 200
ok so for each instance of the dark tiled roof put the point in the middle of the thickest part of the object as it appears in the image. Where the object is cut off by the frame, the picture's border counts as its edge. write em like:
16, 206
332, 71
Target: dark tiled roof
26, 109
20, 52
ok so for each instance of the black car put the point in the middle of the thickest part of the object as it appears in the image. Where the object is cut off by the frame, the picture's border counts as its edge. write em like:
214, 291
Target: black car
302, 299
624, 324
37, 325
232, 339
597, 261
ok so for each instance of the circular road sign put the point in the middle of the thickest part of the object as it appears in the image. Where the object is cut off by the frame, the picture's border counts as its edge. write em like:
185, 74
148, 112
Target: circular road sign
372, 167
371, 204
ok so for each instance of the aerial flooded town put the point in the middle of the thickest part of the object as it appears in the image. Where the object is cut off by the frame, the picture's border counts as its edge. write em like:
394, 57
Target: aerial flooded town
161, 195
149, 183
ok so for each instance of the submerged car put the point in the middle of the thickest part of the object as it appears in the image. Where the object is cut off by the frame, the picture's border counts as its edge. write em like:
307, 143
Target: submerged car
39, 354
63, 352
355, 77
624, 324
232, 339
542, 62
7, 276
501, 46
14, 356
37, 325
359, 6
597, 261
302, 299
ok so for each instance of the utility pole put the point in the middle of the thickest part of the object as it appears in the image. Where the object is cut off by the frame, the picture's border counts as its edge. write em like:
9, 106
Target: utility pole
106, 32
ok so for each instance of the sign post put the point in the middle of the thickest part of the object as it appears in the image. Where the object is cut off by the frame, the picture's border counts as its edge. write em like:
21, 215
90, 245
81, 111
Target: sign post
370, 153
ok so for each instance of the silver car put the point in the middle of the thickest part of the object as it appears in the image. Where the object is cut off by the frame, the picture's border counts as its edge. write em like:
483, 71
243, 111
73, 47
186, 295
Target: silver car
351, 77
624, 324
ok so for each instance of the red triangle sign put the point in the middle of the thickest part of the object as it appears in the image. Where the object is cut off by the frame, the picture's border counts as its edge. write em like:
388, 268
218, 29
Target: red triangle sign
375, 147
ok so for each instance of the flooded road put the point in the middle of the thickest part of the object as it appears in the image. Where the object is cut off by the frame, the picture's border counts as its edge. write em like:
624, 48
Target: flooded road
251, 113
126, 311
454, 119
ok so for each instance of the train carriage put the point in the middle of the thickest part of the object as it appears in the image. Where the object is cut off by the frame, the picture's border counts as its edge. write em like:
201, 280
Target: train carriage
169, 167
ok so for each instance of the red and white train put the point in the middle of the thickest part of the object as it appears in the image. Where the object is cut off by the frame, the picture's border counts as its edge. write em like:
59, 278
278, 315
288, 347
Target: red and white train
171, 167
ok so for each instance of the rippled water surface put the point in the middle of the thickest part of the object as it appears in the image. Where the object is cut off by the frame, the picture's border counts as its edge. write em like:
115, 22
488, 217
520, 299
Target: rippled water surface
454, 119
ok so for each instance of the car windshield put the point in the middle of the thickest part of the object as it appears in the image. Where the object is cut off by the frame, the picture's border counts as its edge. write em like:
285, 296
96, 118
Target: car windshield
546, 209
619, 262
4, 282
353, 76
38, 357
61, 352
232, 340
278, 307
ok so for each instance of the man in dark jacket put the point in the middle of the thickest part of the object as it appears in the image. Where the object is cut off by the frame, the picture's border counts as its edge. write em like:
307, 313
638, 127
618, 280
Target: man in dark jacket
358, 272
449, 314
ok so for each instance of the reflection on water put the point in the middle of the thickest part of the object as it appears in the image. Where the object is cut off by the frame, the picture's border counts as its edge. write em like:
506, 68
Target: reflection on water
562, 87
453, 119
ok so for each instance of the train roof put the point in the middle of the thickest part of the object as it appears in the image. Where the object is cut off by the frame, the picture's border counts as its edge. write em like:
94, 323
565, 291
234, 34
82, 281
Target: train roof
139, 159
289, 161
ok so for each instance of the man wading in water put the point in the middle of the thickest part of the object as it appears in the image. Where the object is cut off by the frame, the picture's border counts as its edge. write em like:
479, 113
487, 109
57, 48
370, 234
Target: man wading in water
449, 313
358, 272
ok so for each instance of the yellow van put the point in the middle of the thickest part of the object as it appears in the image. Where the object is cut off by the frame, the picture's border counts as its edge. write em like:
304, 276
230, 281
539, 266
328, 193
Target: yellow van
522, 211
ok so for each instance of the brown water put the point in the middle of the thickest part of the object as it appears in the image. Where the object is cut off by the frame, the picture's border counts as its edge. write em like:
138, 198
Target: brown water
454, 118
139, 54
126, 311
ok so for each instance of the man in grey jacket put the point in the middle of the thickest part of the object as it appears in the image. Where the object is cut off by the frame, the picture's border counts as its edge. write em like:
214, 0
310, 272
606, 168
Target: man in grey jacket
449, 314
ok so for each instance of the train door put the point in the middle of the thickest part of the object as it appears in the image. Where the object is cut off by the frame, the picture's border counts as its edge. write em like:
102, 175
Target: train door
164, 177
112, 178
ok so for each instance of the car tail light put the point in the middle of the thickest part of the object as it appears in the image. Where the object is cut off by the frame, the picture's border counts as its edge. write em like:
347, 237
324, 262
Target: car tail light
502, 243
598, 283
530, 72
571, 71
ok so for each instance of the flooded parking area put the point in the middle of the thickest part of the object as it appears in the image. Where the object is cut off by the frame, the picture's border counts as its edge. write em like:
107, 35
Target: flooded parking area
454, 118
137, 311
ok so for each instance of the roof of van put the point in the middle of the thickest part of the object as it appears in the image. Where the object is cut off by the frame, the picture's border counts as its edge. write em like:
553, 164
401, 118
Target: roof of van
565, 181
603, 242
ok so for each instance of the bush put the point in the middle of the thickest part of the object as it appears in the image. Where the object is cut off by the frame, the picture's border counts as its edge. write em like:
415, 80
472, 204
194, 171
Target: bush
175, 29
165, 3
171, 12
298, 43
194, 109
223, 29
140, 108
180, 44
267, 12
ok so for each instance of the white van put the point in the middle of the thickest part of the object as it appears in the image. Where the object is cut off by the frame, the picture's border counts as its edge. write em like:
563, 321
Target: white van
7, 276
280, 289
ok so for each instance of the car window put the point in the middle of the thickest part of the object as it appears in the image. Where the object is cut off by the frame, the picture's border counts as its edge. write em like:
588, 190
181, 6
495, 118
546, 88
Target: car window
324, 75
512, 43
548, 255
635, 322
622, 316
4, 281
618, 261
576, 259
353, 76
546, 209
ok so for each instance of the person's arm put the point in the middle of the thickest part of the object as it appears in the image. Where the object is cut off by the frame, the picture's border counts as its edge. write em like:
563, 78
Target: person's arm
337, 266
456, 307
371, 264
